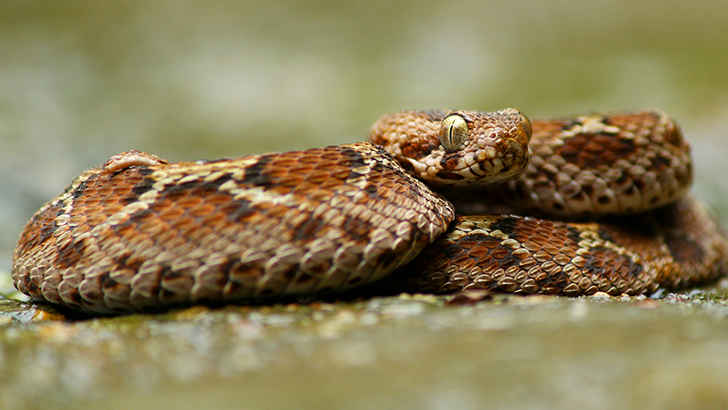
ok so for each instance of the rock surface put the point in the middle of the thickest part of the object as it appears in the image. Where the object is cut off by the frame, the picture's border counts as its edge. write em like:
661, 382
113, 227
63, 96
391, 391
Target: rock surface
397, 352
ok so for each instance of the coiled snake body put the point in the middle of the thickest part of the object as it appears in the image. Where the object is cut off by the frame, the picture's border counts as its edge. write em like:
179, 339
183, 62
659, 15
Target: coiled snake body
142, 233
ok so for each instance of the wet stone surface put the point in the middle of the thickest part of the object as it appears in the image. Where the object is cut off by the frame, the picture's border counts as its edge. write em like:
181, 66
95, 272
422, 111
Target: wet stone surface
405, 352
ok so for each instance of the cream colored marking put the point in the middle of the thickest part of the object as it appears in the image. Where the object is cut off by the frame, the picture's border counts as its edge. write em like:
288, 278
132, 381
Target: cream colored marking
131, 158
590, 125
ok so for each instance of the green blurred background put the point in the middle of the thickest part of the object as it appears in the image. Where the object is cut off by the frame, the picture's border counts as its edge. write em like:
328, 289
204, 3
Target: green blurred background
82, 80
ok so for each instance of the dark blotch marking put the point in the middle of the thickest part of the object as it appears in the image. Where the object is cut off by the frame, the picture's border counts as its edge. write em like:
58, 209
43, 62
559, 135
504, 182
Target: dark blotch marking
238, 209
683, 249
215, 184
31, 285
588, 190
175, 191
290, 274
593, 264
589, 151
236, 273
506, 224
604, 235
70, 254
387, 258
356, 229
267, 292
507, 259
601, 260
574, 234
416, 150
570, 124
478, 237
305, 277
228, 266
663, 162
118, 172
75, 296
46, 232
256, 175
139, 189
449, 175
107, 281
501, 255
308, 229
126, 262
407, 166
133, 219
178, 190
356, 159
138, 216
169, 274
353, 175
81, 188
635, 270
40, 222
143, 186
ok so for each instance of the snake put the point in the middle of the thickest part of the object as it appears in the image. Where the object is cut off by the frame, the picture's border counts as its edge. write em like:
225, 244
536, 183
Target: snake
439, 201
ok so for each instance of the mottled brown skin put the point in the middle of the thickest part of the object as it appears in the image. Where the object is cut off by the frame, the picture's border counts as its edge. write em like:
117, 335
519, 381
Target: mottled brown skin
625, 170
143, 234
672, 247
584, 167
140, 233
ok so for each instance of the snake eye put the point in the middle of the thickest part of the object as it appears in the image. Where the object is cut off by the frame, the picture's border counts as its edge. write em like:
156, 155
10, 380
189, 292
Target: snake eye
453, 132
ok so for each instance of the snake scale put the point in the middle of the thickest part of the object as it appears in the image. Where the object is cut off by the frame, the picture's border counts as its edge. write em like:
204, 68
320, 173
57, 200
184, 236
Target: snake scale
606, 195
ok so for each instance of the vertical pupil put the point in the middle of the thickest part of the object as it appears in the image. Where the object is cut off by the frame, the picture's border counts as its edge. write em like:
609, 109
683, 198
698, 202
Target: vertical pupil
449, 133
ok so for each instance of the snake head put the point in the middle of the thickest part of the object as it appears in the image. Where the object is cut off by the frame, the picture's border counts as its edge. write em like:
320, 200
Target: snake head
457, 148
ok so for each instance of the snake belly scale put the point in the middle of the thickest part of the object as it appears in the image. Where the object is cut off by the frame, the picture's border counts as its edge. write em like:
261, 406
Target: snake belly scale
606, 195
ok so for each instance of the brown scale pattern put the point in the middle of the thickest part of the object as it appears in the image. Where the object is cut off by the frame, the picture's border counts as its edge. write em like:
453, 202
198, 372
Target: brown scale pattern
592, 166
154, 234
140, 233
672, 247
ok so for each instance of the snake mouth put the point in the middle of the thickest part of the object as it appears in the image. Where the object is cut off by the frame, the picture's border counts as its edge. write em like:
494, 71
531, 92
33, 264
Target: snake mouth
499, 155
509, 160
495, 160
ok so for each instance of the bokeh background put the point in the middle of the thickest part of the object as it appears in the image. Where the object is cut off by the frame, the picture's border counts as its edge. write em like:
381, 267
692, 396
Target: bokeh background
82, 80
